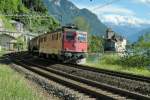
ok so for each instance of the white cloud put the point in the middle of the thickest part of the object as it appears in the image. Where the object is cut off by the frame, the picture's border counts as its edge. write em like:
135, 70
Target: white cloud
113, 10
123, 20
144, 1
117, 15
97, 9
147, 2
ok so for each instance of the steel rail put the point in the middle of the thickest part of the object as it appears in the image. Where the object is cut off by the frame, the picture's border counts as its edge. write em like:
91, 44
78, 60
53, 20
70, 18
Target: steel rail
112, 73
67, 82
125, 93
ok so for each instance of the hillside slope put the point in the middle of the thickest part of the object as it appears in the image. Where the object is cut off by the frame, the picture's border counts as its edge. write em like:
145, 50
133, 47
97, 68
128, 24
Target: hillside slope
65, 11
27, 7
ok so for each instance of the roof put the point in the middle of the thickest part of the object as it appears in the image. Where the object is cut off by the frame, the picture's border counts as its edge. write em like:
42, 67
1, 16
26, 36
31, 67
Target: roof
109, 30
117, 38
114, 37
8, 36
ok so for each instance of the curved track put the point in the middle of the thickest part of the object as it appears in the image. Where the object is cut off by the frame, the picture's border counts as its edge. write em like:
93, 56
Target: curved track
93, 88
104, 71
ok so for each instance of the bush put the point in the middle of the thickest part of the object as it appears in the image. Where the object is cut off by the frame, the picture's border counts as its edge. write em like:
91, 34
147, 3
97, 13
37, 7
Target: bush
110, 59
137, 59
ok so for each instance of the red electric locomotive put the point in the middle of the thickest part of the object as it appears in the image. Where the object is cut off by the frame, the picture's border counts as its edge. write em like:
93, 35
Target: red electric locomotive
67, 44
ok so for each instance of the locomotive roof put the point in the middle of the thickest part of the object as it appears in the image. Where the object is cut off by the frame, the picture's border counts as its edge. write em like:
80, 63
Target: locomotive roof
60, 29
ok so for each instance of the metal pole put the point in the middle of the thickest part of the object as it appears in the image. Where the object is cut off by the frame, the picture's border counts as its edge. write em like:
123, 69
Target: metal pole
30, 22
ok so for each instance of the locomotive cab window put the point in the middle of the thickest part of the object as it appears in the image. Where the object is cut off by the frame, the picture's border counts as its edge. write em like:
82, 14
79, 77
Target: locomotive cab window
70, 36
82, 37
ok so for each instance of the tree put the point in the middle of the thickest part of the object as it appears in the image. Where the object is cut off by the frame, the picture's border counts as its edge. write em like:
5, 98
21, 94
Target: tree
96, 44
29, 7
35, 5
82, 24
144, 41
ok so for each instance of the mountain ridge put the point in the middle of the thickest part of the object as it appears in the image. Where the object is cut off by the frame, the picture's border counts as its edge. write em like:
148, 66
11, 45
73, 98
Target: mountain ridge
65, 11
130, 32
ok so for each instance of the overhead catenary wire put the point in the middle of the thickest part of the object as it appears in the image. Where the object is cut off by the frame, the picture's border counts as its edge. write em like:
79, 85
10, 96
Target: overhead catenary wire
46, 16
106, 4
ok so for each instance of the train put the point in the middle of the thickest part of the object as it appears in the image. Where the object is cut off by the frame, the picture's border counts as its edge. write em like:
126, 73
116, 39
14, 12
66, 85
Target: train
66, 44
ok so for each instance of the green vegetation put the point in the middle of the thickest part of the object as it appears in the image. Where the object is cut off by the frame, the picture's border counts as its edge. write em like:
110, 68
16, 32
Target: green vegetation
14, 87
139, 54
28, 7
34, 23
12, 7
20, 44
96, 44
143, 42
35, 5
136, 60
6, 23
2, 52
113, 62
82, 24
133, 70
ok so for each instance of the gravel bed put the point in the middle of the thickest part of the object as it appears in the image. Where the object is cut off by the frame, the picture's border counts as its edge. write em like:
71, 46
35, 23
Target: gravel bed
56, 89
131, 85
128, 84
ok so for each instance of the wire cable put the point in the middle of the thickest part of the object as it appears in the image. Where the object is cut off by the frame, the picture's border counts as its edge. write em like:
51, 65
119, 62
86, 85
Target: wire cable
106, 4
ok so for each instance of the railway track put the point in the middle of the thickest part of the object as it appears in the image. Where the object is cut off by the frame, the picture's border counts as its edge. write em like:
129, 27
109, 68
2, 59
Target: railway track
105, 71
90, 87
113, 73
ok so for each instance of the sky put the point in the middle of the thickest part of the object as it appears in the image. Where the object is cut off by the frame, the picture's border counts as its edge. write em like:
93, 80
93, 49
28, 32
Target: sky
132, 12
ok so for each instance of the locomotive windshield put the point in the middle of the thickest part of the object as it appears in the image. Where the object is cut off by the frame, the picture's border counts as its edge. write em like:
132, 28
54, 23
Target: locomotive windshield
70, 36
82, 37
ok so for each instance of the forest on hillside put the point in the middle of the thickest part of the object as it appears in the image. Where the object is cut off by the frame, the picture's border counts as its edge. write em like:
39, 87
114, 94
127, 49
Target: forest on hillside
27, 7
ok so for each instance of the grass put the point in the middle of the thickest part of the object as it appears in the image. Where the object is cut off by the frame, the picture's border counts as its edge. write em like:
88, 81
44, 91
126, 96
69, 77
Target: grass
14, 87
110, 62
2, 52
132, 70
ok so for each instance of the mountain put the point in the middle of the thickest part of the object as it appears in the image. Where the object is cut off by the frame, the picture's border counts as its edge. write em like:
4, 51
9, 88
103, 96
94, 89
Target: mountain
129, 31
65, 11
144, 31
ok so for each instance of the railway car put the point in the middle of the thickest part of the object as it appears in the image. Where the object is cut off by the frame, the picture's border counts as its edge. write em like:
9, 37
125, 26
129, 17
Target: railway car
66, 44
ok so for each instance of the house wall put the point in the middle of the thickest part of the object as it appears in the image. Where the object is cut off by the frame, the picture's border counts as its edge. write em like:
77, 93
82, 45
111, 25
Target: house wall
18, 26
114, 43
120, 46
7, 42
110, 34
